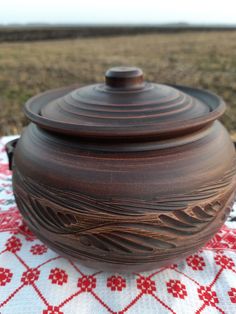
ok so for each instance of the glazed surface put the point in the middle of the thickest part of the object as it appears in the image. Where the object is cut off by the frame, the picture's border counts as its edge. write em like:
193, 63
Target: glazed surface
126, 207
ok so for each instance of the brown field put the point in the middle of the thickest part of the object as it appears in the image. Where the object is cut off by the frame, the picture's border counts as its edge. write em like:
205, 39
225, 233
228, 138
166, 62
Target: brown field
201, 59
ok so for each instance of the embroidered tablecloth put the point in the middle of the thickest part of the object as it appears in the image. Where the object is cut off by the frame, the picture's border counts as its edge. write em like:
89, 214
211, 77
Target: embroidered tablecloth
36, 280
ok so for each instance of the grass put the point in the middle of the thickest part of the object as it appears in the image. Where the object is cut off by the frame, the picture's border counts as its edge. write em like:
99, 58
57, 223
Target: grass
201, 59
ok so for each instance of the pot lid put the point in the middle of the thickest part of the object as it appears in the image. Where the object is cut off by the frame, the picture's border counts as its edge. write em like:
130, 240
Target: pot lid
125, 106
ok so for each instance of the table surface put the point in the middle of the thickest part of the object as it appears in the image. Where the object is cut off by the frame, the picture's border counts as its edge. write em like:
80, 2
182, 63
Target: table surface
34, 279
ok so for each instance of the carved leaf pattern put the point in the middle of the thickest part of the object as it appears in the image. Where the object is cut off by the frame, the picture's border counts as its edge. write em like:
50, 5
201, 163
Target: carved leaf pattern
145, 229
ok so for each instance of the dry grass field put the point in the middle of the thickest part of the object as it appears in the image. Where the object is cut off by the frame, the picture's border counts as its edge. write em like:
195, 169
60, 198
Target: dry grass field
201, 59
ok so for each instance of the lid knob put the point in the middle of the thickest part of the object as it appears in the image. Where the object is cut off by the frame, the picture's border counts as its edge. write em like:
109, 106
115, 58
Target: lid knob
124, 77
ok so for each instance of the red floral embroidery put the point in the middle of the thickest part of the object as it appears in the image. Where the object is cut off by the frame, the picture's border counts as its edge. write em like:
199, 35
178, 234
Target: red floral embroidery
224, 261
5, 276
13, 244
4, 169
30, 276
58, 276
177, 289
232, 295
10, 220
225, 238
116, 283
6, 185
196, 262
146, 285
87, 283
230, 238
6, 221
52, 310
207, 295
38, 249
173, 266
24, 230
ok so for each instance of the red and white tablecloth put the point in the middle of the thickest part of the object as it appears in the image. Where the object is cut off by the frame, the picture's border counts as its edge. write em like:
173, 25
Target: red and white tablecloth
36, 280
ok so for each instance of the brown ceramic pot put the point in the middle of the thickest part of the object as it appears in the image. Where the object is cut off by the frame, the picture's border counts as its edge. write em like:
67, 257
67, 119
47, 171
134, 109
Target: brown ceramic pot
126, 175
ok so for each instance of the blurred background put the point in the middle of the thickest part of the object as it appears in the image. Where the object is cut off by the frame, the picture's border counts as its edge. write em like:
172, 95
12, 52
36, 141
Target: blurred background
49, 44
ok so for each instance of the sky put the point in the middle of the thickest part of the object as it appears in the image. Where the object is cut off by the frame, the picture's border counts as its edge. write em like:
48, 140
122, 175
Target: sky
118, 11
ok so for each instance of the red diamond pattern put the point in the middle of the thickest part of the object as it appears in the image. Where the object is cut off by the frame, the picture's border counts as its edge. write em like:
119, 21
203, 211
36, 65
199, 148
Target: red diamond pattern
196, 262
224, 261
38, 249
116, 283
177, 289
30, 276
146, 285
5, 276
58, 276
87, 283
232, 295
13, 244
207, 296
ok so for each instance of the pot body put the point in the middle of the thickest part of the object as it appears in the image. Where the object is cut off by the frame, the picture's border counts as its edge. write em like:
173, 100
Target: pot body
125, 207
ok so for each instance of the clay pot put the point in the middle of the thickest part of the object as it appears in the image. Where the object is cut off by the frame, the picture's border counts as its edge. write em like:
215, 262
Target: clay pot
125, 175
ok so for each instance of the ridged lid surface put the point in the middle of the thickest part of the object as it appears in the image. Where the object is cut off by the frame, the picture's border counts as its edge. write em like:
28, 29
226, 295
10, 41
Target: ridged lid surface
124, 106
